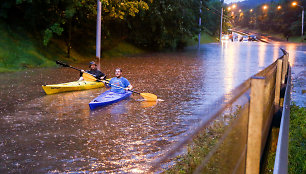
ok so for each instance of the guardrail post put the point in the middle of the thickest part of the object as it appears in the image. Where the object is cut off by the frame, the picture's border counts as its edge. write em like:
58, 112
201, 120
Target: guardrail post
254, 144
285, 67
278, 82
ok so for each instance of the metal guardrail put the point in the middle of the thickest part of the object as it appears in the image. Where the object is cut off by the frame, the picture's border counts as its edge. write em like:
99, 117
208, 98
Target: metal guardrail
233, 132
281, 158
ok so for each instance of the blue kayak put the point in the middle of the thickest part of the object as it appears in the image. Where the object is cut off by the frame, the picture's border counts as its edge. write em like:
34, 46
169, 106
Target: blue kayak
107, 98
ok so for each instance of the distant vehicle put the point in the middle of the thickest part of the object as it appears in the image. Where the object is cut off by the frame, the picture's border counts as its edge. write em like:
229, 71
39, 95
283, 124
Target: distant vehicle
235, 37
225, 37
252, 38
245, 38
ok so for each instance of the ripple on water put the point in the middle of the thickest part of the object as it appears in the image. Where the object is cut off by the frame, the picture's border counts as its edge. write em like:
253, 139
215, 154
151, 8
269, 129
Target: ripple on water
58, 133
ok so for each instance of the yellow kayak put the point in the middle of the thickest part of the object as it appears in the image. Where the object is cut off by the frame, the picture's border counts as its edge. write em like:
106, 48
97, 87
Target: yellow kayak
71, 86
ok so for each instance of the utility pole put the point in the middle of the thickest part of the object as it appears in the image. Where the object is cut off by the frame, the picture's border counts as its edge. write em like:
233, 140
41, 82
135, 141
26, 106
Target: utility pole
221, 20
221, 23
98, 34
302, 23
199, 37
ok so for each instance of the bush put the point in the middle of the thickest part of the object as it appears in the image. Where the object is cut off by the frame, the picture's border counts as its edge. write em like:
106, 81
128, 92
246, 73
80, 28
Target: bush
297, 140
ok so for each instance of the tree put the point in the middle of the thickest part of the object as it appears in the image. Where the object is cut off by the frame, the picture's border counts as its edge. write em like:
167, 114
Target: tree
62, 17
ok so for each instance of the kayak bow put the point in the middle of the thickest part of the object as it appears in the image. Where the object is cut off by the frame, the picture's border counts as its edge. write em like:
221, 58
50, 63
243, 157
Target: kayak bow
107, 98
71, 86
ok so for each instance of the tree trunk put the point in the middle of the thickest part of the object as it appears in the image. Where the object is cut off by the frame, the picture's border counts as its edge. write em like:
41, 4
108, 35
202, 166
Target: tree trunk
68, 41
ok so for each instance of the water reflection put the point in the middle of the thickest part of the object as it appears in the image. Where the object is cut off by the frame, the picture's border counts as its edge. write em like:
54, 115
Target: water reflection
230, 58
291, 49
58, 133
276, 53
261, 53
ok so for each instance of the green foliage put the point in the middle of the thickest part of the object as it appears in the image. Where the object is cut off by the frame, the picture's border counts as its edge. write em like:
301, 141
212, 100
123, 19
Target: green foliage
211, 17
297, 140
167, 24
286, 20
4, 8
54, 17
163, 24
205, 38
207, 139
119, 9
18, 51
121, 49
55, 28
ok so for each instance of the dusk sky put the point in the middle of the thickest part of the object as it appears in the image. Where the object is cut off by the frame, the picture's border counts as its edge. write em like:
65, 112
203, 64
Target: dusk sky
231, 1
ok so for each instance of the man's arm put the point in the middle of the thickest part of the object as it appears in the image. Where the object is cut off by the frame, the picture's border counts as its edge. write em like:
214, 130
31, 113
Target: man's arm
128, 84
102, 76
108, 85
129, 87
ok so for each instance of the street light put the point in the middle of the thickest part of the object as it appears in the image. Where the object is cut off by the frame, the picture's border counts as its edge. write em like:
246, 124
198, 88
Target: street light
296, 4
279, 7
265, 7
251, 10
231, 7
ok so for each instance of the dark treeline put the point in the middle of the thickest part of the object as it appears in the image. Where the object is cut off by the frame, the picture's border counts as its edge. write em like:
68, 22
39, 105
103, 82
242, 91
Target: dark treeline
286, 19
153, 24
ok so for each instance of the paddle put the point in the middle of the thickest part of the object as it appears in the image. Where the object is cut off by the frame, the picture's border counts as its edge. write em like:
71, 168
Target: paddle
146, 96
90, 77
66, 65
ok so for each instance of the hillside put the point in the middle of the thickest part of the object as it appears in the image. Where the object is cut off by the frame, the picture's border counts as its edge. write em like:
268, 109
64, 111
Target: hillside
253, 3
20, 50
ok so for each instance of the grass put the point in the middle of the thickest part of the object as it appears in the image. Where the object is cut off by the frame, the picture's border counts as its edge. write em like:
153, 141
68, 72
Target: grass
205, 38
18, 51
226, 155
21, 50
296, 39
297, 143
269, 156
122, 49
297, 140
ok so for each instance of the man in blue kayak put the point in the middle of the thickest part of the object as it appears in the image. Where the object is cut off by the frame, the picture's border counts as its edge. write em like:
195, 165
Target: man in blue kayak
119, 81
94, 71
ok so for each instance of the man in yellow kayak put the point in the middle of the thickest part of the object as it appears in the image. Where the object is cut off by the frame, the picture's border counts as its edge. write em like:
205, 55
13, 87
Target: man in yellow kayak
94, 71
119, 81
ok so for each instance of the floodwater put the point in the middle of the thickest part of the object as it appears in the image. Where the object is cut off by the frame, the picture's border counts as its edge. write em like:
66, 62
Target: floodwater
58, 133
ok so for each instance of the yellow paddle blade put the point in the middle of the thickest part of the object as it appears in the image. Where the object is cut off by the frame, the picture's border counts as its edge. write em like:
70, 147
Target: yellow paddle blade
88, 77
146, 104
149, 96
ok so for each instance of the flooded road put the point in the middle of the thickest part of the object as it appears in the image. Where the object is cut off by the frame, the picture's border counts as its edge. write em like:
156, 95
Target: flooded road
58, 133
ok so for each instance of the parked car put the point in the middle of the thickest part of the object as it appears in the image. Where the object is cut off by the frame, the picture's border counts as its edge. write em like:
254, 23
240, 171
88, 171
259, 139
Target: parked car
245, 38
225, 37
252, 38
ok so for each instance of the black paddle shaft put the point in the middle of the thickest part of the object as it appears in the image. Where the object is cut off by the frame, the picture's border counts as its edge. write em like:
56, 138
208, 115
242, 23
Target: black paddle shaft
66, 65
117, 86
